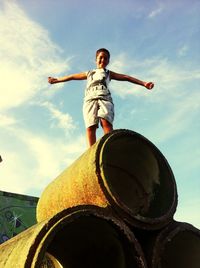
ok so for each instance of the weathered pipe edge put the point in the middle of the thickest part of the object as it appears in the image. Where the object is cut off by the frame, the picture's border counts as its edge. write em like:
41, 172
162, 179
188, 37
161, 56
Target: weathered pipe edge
123, 170
170, 246
28, 249
145, 221
176, 246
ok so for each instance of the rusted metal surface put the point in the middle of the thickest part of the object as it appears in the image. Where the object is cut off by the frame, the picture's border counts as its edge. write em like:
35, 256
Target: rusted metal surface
84, 236
124, 171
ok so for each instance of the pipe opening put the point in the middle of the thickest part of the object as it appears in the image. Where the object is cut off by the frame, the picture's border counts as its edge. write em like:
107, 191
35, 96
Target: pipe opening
92, 242
181, 251
137, 175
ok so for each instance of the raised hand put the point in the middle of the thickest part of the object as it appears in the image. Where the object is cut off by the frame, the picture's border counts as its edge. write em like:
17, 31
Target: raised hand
52, 80
149, 85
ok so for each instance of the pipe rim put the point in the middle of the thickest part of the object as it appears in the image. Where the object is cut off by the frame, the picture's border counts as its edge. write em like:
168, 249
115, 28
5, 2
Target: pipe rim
112, 196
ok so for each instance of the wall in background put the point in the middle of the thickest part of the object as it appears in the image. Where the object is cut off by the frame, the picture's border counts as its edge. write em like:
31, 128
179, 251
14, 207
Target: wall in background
17, 213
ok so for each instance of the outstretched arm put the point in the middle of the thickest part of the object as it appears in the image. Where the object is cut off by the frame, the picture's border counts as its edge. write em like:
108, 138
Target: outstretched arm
124, 77
80, 76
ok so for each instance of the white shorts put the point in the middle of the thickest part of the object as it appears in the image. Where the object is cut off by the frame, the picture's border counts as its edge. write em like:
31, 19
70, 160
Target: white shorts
95, 109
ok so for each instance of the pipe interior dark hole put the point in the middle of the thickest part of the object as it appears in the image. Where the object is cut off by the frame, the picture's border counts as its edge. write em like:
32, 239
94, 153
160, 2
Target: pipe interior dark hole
138, 176
181, 251
92, 242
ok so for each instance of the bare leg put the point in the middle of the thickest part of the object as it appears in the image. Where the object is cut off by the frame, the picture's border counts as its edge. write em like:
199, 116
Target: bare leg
107, 127
91, 135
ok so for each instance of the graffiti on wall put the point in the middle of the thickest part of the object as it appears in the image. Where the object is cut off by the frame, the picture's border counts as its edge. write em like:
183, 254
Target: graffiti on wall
17, 213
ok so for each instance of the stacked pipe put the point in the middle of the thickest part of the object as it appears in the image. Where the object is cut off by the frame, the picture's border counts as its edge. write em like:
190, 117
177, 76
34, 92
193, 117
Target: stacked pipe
113, 207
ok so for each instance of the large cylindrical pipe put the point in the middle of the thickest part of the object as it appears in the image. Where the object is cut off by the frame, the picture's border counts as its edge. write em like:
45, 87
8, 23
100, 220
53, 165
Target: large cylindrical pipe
177, 246
85, 236
123, 170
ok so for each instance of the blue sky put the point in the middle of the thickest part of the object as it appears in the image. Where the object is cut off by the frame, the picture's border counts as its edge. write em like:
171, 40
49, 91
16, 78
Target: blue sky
41, 125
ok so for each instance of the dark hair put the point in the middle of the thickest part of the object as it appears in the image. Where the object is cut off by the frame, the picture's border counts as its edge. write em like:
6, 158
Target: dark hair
103, 50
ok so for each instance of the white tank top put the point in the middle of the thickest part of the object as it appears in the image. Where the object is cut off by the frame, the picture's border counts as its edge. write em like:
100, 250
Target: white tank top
97, 84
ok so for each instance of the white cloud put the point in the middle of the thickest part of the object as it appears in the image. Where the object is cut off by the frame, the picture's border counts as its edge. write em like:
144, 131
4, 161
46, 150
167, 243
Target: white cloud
6, 120
169, 78
12, 177
174, 104
183, 50
123, 64
119, 63
180, 117
156, 11
64, 120
39, 160
27, 55
172, 74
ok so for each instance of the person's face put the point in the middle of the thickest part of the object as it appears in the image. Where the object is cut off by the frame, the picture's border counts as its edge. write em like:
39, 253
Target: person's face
102, 60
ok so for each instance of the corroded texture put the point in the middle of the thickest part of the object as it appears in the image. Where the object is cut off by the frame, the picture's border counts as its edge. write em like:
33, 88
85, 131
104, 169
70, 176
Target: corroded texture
18, 251
84, 236
77, 185
123, 171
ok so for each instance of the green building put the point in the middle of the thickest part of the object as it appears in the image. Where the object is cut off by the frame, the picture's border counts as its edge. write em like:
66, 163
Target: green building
17, 213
